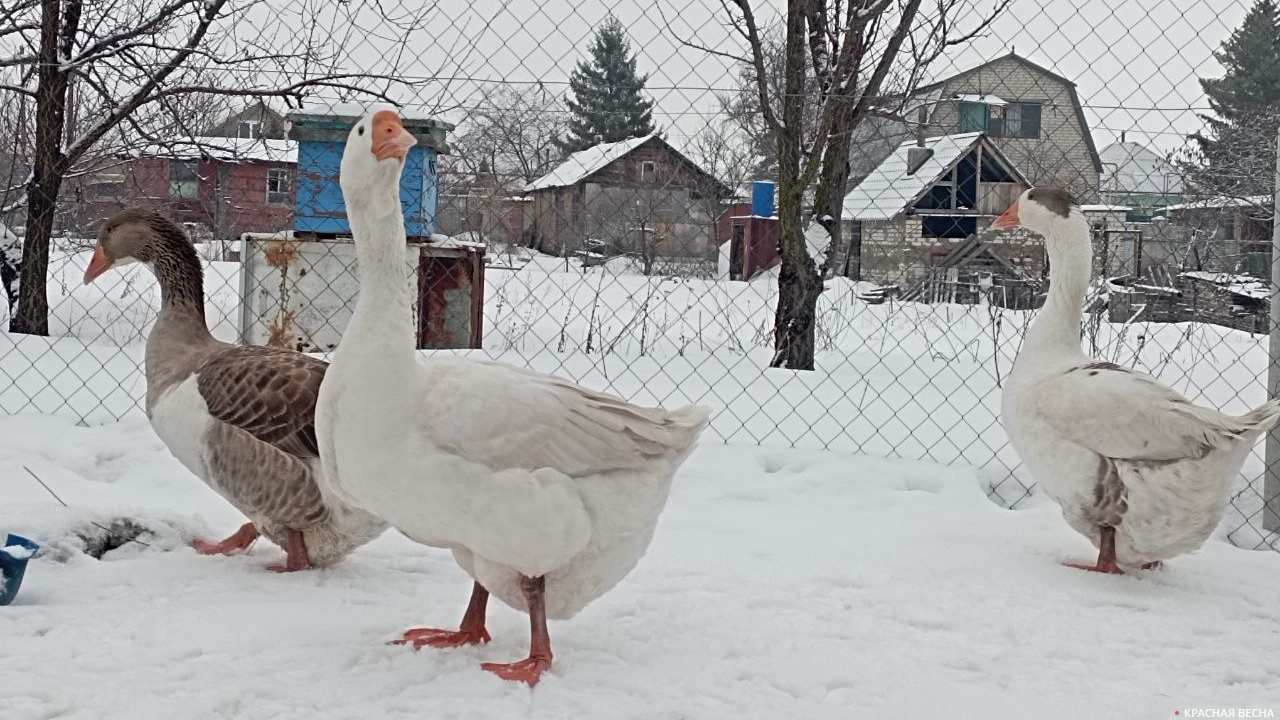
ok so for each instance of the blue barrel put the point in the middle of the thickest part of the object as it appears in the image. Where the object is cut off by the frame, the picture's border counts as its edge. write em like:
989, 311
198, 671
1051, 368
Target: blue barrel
762, 198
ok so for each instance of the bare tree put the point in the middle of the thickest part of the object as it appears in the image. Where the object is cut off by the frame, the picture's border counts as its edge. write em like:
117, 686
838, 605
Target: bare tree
846, 58
725, 153
510, 132
133, 64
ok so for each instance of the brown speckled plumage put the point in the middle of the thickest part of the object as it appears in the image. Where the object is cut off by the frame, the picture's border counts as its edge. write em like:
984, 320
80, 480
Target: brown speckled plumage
260, 448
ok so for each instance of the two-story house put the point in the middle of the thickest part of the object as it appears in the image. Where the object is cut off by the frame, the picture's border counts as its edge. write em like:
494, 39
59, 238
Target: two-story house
1031, 113
238, 176
981, 136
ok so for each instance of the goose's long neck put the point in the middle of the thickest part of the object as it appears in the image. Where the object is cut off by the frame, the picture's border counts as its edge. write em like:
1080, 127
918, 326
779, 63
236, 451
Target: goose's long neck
1057, 328
181, 278
382, 324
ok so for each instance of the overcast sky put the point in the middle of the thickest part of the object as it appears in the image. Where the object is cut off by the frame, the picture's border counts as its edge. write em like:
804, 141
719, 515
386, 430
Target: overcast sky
1135, 61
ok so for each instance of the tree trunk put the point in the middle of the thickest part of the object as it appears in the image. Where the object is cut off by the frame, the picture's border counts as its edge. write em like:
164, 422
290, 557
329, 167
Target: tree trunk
798, 280
59, 25
32, 314
798, 288
828, 205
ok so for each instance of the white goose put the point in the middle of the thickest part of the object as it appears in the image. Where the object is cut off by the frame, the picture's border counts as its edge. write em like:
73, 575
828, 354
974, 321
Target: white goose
546, 492
1136, 467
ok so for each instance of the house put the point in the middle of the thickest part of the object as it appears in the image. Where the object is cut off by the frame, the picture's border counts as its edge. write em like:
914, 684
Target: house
1135, 175
1031, 113
919, 217
638, 196
238, 176
258, 120
221, 186
1216, 234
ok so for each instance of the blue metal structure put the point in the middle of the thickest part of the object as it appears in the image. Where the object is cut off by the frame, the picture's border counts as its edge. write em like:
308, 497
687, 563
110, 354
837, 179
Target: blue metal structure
762, 198
321, 135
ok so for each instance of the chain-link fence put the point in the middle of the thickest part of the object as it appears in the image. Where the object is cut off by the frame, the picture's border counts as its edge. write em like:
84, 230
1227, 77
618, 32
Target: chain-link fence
603, 193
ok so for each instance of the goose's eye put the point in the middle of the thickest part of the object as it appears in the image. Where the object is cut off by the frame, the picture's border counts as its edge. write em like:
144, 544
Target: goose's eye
360, 130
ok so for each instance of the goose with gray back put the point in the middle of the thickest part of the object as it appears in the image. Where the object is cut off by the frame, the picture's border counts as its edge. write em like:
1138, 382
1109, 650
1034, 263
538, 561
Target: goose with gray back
239, 417
1136, 467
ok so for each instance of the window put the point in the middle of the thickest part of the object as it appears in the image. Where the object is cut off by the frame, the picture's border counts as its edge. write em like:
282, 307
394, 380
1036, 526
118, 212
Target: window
251, 129
1016, 120
973, 117
648, 170
278, 186
184, 181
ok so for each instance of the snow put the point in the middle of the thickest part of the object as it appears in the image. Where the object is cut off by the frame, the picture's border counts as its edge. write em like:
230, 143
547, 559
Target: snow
889, 189
1217, 203
354, 111
18, 552
817, 582
1245, 285
447, 241
986, 99
780, 584
223, 148
1104, 208
584, 163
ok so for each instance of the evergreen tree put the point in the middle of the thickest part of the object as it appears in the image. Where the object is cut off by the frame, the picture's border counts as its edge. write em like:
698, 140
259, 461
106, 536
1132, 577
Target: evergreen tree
608, 97
1239, 154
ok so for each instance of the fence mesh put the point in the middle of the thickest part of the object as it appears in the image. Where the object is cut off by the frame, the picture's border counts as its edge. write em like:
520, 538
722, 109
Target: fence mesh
595, 197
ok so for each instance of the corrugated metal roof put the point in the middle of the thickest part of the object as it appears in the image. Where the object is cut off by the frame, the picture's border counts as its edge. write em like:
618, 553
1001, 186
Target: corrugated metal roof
584, 163
1134, 168
890, 188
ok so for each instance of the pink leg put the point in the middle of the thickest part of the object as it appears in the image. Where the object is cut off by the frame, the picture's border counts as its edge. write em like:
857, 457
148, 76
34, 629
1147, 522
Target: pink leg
531, 668
241, 539
470, 632
295, 554
1106, 555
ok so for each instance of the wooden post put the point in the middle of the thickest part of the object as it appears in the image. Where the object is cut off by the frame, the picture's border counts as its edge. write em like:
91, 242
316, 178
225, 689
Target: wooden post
1271, 483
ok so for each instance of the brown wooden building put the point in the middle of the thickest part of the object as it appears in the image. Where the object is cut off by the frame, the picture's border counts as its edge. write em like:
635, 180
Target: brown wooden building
639, 196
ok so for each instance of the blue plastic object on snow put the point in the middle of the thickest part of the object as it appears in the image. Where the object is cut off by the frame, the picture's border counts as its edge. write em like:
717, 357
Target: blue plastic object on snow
14, 566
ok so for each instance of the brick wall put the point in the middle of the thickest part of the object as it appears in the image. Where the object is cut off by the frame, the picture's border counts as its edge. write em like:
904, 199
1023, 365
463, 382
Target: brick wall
1060, 156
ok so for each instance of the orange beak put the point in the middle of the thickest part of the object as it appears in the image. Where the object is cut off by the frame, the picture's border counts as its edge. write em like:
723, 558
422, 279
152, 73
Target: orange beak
98, 265
390, 139
1008, 218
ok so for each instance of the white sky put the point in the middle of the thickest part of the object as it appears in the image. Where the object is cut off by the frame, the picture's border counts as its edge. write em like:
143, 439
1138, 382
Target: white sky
1135, 61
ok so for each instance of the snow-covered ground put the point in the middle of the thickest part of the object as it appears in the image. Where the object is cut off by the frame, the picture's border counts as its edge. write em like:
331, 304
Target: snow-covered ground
782, 583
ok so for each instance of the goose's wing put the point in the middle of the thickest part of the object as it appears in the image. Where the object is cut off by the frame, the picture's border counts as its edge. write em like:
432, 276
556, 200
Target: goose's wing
267, 392
1128, 415
506, 417
263, 445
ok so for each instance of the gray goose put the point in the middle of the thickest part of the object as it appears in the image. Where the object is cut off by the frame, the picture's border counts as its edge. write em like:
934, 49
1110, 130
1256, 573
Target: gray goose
240, 417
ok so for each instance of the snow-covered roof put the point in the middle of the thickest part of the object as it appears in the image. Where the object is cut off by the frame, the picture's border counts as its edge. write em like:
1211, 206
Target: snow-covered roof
1104, 208
1223, 202
356, 111
223, 148
584, 163
988, 99
1134, 168
1245, 285
889, 189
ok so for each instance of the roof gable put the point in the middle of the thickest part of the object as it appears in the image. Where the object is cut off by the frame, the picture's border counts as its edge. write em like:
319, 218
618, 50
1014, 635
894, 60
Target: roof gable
890, 188
583, 164
939, 85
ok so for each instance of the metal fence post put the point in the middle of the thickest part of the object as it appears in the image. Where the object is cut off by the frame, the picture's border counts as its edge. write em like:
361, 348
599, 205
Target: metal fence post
1271, 484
